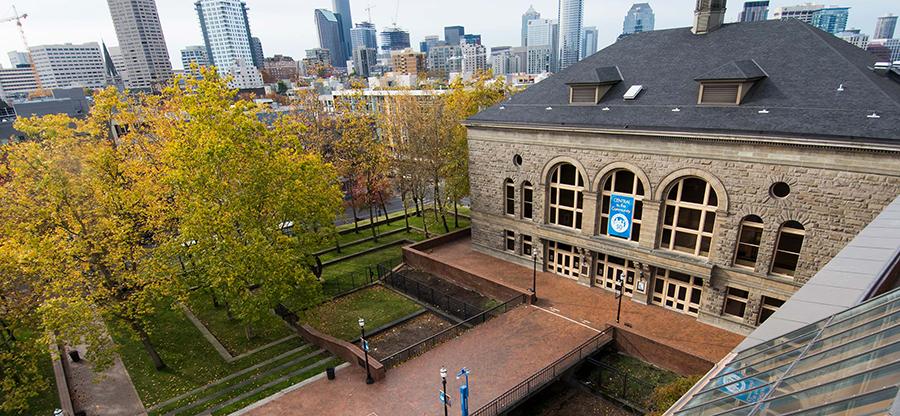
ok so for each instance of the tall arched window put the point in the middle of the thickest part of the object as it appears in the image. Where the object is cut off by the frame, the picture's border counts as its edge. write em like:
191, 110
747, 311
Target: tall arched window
690, 217
566, 189
787, 248
510, 196
749, 237
527, 201
623, 183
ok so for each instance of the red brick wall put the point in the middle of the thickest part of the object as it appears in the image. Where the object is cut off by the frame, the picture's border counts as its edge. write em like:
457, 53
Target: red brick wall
659, 354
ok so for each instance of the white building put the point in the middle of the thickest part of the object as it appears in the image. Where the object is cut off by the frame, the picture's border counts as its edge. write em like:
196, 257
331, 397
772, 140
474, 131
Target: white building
245, 76
226, 32
16, 83
571, 15
115, 54
474, 59
141, 40
195, 54
17, 58
543, 35
68, 65
855, 38
803, 12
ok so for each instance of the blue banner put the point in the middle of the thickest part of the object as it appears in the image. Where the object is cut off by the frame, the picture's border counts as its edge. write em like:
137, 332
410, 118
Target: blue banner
621, 215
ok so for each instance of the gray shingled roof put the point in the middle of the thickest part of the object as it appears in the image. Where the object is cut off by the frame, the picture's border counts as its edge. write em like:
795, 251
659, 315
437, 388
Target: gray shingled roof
804, 68
746, 69
599, 76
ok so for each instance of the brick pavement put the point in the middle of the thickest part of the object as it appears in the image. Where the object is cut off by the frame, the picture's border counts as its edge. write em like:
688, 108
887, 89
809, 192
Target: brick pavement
500, 353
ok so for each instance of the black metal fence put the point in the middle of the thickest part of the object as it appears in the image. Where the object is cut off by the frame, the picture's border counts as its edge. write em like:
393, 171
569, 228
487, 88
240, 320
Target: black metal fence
617, 384
340, 285
545, 376
450, 333
428, 294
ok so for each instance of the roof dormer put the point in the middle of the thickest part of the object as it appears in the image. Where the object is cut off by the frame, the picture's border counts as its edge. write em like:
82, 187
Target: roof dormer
729, 83
593, 85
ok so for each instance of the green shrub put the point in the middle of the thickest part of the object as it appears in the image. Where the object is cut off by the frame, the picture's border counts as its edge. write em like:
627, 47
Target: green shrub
664, 396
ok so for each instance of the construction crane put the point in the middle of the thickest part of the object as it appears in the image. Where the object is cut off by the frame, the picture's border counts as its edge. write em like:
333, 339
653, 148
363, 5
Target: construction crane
368, 9
39, 90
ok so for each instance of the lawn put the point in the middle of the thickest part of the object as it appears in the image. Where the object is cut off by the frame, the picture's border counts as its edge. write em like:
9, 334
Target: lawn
231, 333
377, 305
345, 251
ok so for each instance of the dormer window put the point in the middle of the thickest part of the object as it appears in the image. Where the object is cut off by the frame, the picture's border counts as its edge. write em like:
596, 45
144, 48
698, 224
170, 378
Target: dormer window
589, 88
729, 83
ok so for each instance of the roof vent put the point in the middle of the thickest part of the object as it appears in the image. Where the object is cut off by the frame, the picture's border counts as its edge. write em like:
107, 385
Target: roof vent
676, 110
605, 109
502, 107
548, 108
633, 92
841, 88
763, 111
873, 115
882, 67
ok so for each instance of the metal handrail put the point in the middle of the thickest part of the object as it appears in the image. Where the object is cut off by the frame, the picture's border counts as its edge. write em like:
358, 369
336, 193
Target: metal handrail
543, 377
395, 278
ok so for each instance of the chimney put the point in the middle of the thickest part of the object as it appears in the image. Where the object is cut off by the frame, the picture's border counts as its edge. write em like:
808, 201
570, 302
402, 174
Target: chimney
708, 16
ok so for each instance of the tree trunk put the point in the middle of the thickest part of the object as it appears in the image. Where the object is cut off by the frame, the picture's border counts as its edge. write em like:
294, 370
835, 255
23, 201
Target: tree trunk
416, 201
248, 332
9, 333
372, 221
148, 346
405, 214
455, 214
439, 206
228, 312
337, 242
387, 217
355, 217
215, 299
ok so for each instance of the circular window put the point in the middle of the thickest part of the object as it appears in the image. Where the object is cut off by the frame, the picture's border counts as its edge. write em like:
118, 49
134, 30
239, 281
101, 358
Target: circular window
780, 190
517, 160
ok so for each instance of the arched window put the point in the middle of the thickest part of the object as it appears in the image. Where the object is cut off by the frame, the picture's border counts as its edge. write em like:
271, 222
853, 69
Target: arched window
566, 189
749, 237
787, 248
527, 201
510, 191
690, 217
622, 183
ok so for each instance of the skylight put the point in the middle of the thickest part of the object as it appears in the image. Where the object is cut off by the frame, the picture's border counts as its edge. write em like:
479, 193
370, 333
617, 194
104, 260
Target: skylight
633, 92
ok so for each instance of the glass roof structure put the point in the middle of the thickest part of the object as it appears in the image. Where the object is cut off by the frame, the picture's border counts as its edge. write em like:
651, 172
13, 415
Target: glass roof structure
847, 364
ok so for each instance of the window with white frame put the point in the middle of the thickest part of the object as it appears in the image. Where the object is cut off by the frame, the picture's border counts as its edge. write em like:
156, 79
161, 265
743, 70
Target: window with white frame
690, 217
510, 191
566, 207
527, 201
625, 183
735, 302
787, 248
527, 247
510, 240
768, 306
749, 237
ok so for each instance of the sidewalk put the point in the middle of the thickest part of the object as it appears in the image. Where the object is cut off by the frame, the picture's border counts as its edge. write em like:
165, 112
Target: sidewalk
110, 394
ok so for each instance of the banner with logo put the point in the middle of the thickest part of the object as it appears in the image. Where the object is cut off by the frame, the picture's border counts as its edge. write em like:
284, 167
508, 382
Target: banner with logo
621, 216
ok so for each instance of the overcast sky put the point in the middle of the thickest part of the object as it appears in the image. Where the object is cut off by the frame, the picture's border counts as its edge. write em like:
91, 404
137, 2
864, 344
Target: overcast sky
286, 26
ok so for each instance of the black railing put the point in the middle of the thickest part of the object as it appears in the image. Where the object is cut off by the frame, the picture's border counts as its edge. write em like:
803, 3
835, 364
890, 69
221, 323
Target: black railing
545, 376
343, 284
428, 294
617, 384
428, 343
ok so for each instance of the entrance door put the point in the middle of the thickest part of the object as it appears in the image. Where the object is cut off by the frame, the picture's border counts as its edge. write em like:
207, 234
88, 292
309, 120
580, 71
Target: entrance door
609, 268
563, 260
678, 291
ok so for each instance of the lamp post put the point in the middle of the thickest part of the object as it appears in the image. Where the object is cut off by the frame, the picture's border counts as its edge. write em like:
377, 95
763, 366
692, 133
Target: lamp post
619, 294
444, 387
534, 275
365, 345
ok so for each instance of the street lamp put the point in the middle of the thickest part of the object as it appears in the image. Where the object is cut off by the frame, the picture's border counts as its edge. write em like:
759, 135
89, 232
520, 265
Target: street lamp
365, 345
534, 275
444, 387
619, 294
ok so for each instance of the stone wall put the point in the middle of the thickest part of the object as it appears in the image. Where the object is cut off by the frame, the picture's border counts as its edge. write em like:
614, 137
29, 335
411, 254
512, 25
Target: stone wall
836, 189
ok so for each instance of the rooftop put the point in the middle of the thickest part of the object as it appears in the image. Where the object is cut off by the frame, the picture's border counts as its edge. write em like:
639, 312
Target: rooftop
810, 83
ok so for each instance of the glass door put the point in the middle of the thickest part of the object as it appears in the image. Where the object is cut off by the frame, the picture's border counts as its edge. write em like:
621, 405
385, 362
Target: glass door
563, 260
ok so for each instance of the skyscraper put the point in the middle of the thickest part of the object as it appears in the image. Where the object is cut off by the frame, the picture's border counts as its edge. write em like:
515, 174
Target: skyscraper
471, 39
331, 36
342, 9
444, 59
885, 26
226, 33
854, 37
543, 38
363, 36
754, 11
589, 41
394, 39
831, 19
571, 14
529, 15
640, 18
18, 59
474, 59
68, 65
142, 43
193, 55
429, 41
802, 12
453, 34
256, 50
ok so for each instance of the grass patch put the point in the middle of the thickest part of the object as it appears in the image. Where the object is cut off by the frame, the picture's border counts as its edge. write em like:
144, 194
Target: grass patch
414, 236
640, 370
231, 333
377, 305
436, 227
192, 362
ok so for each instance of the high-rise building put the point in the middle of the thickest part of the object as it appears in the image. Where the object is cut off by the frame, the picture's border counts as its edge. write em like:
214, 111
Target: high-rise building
500, 60
802, 12
331, 37
429, 41
884, 27
571, 14
394, 39
528, 16
342, 9
471, 39
256, 50
316, 59
194, 55
518, 60
885, 50
474, 59
68, 65
543, 38
444, 59
754, 11
244, 75
855, 38
226, 33
16, 82
364, 61
831, 19
147, 64
640, 18
407, 62
454, 34
118, 61
18, 59
363, 36
589, 41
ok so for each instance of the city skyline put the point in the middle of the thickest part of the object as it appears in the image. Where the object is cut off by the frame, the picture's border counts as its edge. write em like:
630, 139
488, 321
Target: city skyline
499, 22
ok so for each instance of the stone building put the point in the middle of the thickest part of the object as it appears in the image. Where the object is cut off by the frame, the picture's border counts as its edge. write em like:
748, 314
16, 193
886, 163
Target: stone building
712, 175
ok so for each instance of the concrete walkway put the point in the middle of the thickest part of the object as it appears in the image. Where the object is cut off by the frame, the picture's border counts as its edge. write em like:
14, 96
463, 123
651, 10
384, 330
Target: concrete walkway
501, 353
594, 306
108, 394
